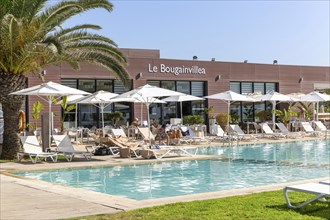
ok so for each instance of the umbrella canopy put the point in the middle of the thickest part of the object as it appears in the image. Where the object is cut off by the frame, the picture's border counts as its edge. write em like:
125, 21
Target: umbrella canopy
274, 97
138, 100
230, 97
102, 98
50, 89
182, 98
146, 94
315, 97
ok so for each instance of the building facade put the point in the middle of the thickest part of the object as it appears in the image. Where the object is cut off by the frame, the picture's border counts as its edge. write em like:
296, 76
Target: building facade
195, 77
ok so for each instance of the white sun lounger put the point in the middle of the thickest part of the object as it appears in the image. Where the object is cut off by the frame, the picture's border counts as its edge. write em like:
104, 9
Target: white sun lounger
268, 131
308, 128
320, 126
286, 132
118, 132
240, 134
325, 182
64, 146
32, 148
159, 152
147, 135
320, 190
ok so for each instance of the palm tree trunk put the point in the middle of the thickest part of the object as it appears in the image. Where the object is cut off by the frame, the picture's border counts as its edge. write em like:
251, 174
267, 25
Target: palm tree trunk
11, 104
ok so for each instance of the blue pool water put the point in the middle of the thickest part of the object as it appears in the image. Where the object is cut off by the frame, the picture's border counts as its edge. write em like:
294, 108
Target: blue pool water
239, 167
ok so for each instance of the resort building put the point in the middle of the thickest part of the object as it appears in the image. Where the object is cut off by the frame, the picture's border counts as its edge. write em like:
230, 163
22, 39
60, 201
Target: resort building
195, 77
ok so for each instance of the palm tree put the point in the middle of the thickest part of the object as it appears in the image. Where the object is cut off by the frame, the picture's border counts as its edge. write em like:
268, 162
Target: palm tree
31, 37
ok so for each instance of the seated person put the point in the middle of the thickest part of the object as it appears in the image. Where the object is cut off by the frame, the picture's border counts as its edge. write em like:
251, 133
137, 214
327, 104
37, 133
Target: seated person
162, 135
174, 136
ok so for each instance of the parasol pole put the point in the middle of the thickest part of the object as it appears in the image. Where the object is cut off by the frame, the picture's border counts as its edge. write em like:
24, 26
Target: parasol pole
49, 120
148, 122
228, 103
181, 112
76, 117
273, 116
317, 111
102, 107
141, 113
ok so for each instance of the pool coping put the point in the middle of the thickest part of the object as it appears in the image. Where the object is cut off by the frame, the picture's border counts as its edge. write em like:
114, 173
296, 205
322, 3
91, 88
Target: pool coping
125, 204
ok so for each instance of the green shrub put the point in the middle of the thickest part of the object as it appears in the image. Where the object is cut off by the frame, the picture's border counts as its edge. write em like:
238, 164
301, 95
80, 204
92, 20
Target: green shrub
193, 119
264, 115
222, 119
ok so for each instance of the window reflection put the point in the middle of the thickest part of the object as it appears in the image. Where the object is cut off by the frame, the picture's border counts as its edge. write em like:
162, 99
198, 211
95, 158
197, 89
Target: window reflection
183, 87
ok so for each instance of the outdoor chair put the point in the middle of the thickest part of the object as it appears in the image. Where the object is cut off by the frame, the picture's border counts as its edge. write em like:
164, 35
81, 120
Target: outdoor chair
319, 189
32, 148
269, 132
159, 151
186, 137
65, 147
118, 132
125, 149
286, 132
308, 128
240, 134
220, 134
319, 126
147, 135
325, 182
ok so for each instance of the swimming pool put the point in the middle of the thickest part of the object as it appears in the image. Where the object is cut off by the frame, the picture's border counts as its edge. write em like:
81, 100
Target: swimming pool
238, 167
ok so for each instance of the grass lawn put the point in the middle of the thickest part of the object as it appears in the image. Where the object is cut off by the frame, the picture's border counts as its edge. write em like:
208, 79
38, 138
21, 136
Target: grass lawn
266, 205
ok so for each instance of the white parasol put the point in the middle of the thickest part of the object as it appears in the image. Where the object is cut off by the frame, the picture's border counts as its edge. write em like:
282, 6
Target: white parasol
138, 100
230, 97
146, 94
315, 97
182, 98
274, 97
49, 90
102, 98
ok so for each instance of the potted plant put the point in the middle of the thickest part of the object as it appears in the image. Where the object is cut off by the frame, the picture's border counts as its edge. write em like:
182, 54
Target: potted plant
193, 119
222, 119
209, 113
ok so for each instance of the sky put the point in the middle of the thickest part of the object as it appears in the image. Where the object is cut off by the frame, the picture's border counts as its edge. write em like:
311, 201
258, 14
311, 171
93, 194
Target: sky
291, 32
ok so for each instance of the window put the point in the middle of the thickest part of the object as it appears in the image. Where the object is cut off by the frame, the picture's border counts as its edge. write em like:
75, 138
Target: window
270, 87
246, 87
119, 88
197, 89
183, 86
259, 88
235, 87
87, 85
247, 111
69, 82
105, 85
168, 85
153, 83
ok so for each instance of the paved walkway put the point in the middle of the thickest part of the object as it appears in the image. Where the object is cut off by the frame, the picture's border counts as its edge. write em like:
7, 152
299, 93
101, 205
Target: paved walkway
33, 199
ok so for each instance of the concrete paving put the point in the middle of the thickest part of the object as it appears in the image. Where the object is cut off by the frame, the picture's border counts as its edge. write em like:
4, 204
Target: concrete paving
23, 198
